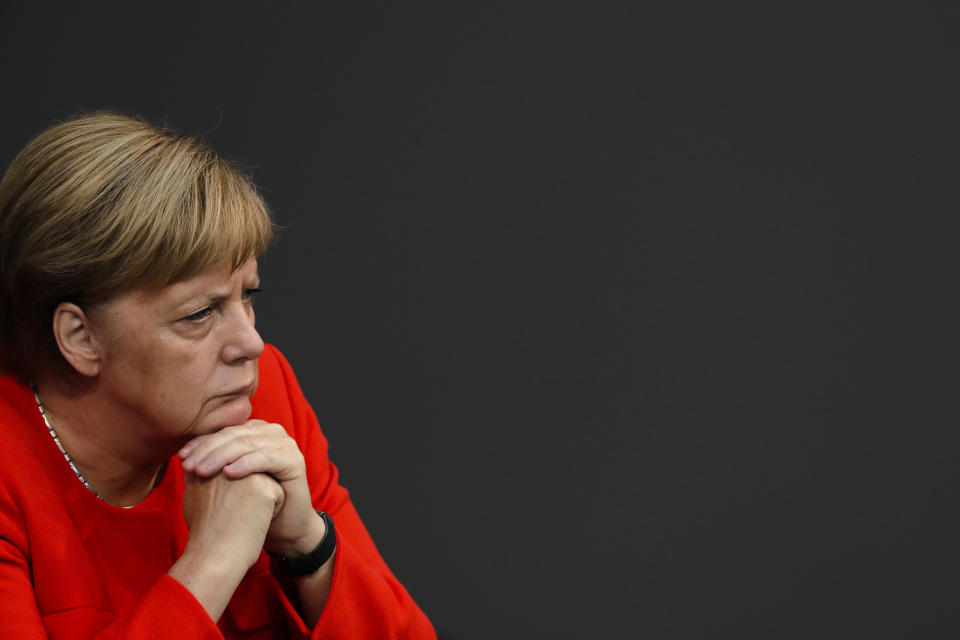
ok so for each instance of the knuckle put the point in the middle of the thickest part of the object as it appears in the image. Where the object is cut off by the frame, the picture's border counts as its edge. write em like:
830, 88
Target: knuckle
274, 428
248, 441
225, 431
263, 482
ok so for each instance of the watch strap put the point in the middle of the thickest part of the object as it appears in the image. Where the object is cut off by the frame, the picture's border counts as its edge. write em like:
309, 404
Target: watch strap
309, 562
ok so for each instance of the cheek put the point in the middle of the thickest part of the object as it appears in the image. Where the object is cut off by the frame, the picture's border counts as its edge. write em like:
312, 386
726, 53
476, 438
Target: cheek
186, 396
197, 378
186, 377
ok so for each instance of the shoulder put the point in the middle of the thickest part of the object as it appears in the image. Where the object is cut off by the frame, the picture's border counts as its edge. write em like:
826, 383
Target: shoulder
14, 397
20, 421
275, 373
26, 459
278, 397
273, 363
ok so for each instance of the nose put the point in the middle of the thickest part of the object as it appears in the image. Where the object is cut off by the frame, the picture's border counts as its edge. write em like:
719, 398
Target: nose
243, 341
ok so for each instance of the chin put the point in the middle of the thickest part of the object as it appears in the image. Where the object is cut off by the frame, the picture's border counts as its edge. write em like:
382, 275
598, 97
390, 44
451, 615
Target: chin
232, 412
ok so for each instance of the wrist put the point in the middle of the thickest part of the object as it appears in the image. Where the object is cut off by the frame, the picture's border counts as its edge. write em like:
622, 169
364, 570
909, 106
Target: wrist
211, 578
298, 562
223, 554
315, 531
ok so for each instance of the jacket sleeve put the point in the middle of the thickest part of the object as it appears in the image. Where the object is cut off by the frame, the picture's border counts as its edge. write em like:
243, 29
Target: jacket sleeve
366, 600
150, 619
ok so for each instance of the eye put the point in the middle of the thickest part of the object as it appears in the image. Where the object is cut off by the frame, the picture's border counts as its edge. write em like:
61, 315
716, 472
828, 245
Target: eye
199, 316
248, 294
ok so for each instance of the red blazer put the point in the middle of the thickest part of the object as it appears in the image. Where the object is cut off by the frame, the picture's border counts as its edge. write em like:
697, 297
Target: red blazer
74, 567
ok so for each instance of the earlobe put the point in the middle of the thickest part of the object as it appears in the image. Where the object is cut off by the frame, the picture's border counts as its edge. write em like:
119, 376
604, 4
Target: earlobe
73, 331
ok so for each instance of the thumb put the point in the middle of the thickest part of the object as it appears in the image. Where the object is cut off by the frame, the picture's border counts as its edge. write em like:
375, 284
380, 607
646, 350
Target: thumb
281, 497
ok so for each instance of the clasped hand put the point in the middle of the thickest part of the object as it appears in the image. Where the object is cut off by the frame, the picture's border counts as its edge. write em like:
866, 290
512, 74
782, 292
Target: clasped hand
251, 476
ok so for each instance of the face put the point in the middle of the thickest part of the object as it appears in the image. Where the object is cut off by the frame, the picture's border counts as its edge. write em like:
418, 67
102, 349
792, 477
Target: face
181, 361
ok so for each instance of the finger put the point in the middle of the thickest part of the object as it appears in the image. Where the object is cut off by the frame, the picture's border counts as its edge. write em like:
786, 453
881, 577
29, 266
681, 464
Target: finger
269, 488
281, 498
271, 450
202, 446
211, 439
188, 448
284, 462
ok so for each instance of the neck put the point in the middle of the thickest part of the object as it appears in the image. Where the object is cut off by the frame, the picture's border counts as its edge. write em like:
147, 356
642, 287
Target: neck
107, 453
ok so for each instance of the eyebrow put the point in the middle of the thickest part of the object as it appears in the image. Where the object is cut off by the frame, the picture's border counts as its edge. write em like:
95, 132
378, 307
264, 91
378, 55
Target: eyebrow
206, 299
218, 299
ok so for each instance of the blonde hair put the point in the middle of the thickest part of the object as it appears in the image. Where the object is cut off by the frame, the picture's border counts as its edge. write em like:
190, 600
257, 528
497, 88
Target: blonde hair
103, 204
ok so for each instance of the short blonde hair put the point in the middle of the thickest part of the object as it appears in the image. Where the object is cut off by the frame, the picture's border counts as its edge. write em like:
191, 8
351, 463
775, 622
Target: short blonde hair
106, 203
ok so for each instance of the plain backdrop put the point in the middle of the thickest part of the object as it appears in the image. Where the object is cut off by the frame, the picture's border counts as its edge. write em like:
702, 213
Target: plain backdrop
622, 319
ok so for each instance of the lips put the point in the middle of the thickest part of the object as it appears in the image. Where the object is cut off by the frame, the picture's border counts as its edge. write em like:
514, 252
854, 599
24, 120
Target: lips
245, 390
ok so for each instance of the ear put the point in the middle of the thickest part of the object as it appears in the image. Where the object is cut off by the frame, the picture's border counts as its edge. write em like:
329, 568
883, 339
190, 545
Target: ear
74, 333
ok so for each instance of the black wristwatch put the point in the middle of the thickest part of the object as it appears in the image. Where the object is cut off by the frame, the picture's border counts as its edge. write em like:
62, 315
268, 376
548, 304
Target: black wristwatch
309, 562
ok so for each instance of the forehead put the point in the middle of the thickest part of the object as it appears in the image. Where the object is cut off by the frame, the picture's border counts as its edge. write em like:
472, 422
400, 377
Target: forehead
216, 278
214, 282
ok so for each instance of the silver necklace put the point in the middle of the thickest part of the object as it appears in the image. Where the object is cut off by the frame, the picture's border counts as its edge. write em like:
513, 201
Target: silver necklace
76, 471
56, 438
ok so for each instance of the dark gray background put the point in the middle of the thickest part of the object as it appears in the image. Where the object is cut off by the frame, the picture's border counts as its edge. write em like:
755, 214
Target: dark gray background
623, 320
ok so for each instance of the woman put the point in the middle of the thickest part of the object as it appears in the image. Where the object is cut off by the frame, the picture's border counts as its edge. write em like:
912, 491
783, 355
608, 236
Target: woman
161, 475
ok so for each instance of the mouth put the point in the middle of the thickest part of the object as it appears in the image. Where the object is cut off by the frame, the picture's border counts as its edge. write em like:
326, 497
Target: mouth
244, 391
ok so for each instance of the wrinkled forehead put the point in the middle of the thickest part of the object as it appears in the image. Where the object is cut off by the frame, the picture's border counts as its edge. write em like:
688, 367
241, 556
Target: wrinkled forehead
215, 280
